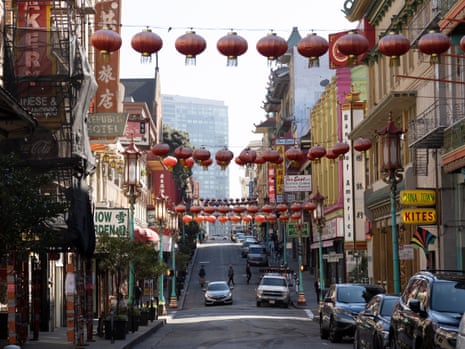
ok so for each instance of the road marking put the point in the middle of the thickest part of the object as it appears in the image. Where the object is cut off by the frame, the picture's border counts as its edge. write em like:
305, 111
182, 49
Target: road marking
309, 314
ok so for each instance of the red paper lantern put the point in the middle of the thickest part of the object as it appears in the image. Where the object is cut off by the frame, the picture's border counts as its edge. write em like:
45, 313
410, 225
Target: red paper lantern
190, 45
352, 45
296, 207
187, 219
252, 209
316, 152
271, 155
340, 148
309, 206
362, 144
232, 46
272, 46
329, 154
223, 209
182, 152
223, 157
267, 208
462, 43
296, 216
247, 219
146, 43
235, 219
247, 156
284, 218
260, 218
259, 160
195, 209
206, 163
201, 154
434, 44
281, 207
238, 161
294, 155
180, 208
313, 47
106, 41
223, 219
189, 162
170, 162
393, 45
160, 149
209, 209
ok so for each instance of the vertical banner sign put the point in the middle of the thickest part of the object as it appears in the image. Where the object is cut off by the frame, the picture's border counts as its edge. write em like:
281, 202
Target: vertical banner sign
280, 175
107, 16
271, 184
34, 60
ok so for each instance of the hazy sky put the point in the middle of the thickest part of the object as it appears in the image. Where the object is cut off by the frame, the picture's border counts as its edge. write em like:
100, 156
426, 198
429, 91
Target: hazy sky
242, 88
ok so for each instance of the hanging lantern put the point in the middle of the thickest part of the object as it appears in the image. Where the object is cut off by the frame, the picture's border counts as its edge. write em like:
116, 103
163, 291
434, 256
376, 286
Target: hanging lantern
210, 219
260, 218
462, 43
271, 155
284, 217
190, 45
393, 45
309, 206
223, 219
187, 219
106, 41
340, 148
247, 156
160, 149
296, 207
206, 164
238, 161
281, 207
434, 44
201, 154
272, 47
209, 209
146, 43
296, 216
259, 160
199, 219
313, 47
195, 209
223, 157
271, 218
294, 155
232, 46
180, 208
362, 144
280, 160
238, 209
329, 154
316, 152
170, 162
267, 208
235, 219
247, 219
223, 209
252, 209
189, 162
352, 45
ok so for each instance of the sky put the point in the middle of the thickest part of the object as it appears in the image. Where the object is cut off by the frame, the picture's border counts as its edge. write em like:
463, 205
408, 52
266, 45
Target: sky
242, 88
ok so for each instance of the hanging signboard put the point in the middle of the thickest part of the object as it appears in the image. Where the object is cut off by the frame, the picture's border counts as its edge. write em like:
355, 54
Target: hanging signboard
293, 230
111, 221
297, 183
418, 197
419, 216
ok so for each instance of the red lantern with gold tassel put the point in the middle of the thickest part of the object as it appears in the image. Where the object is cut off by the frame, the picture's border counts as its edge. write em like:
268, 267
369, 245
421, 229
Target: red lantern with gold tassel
313, 47
190, 45
393, 45
146, 43
352, 45
434, 44
232, 46
106, 41
272, 46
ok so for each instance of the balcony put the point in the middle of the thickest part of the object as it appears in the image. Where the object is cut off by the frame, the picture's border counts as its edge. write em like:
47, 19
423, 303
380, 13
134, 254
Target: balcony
427, 130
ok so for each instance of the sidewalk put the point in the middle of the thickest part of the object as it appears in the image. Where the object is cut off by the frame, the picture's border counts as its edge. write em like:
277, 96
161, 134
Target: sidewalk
57, 338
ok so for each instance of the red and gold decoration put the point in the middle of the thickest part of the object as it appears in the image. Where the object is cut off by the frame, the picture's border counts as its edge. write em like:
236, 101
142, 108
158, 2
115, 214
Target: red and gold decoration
160, 150
232, 46
316, 152
434, 44
272, 46
223, 157
106, 41
146, 43
340, 149
362, 144
393, 45
313, 47
190, 45
294, 155
352, 45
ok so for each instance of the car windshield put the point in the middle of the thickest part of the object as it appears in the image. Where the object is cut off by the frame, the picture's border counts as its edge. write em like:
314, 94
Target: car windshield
352, 294
448, 296
217, 287
273, 282
388, 306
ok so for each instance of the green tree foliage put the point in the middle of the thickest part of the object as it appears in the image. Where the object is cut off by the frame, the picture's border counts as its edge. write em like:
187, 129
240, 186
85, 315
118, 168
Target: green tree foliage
25, 206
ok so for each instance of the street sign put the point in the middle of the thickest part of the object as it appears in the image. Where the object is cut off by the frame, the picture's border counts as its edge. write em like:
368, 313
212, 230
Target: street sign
333, 257
419, 216
418, 197
293, 230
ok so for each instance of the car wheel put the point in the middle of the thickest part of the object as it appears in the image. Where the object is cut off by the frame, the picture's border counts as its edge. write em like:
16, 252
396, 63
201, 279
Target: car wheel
323, 333
334, 336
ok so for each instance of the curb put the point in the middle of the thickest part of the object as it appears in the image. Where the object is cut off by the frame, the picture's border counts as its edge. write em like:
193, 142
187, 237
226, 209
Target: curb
145, 335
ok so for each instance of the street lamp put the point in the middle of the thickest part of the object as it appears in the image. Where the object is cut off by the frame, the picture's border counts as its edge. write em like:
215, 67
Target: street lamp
392, 166
132, 191
173, 228
319, 217
160, 217
298, 216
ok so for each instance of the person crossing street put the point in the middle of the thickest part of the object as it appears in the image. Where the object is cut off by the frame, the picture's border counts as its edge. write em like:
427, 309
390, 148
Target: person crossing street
230, 276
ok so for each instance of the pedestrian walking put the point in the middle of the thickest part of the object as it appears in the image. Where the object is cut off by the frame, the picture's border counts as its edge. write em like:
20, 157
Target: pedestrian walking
230, 276
202, 275
248, 272
317, 290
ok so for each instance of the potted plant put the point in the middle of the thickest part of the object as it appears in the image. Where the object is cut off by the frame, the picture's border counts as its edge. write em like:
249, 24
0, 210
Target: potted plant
133, 319
144, 316
116, 326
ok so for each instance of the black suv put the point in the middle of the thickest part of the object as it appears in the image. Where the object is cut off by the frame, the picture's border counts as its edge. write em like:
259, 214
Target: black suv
429, 311
340, 307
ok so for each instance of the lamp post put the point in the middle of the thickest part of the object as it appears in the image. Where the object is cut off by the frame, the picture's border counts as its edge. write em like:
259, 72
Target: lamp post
160, 216
297, 216
392, 168
173, 228
132, 191
319, 217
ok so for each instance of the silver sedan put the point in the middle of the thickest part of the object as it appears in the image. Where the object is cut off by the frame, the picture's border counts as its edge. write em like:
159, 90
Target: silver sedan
218, 292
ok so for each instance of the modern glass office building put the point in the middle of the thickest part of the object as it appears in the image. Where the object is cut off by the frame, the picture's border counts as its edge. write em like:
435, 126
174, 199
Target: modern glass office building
206, 122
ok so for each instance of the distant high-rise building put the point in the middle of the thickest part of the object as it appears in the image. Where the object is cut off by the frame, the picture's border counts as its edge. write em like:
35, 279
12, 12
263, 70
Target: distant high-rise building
206, 122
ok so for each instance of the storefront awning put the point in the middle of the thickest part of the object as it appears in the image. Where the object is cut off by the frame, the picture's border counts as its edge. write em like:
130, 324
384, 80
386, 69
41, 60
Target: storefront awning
146, 235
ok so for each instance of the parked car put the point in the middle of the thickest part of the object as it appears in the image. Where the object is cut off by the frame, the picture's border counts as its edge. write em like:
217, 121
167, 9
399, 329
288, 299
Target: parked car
429, 311
372, 323
341, 306
245, 246
273, 289
218, 292
257, 255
